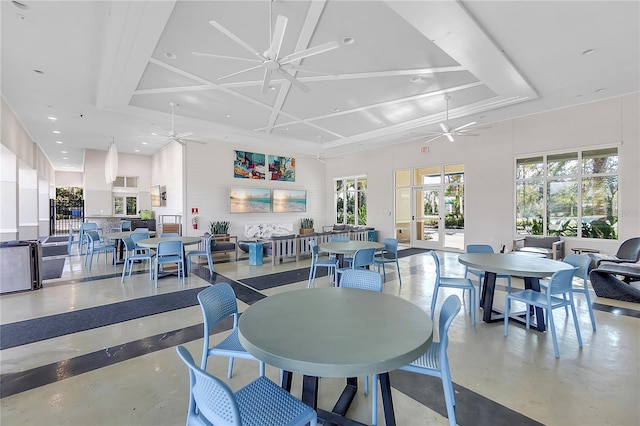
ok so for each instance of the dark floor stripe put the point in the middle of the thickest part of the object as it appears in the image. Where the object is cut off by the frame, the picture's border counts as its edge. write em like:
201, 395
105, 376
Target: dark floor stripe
471, 407
616, 310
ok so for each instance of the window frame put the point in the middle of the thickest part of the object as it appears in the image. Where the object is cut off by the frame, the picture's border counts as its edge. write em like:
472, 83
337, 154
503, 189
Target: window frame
343, 194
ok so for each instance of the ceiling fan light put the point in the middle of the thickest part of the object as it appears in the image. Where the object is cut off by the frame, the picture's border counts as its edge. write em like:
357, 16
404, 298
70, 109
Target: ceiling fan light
348, 40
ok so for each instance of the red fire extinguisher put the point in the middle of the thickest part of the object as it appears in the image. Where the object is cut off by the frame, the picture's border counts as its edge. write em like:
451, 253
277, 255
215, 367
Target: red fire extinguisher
194, 222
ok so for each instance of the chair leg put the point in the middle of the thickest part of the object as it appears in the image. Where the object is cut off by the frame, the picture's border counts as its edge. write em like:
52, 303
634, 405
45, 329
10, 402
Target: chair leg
507, 307
374, 399
155, 275
311, 276
472, 304
366, 385
552, 325
433, 301
262, 370
398, 268
589, 305
124, 269
575, 321
449, 397
230, 371
210, 262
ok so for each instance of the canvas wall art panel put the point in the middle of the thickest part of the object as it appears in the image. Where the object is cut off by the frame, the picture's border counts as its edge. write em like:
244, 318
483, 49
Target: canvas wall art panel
289, 200
282, 168
249, 200
249, 165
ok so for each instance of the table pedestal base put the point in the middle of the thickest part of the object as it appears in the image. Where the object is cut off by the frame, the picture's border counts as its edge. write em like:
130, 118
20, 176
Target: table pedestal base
337, 416
490, 314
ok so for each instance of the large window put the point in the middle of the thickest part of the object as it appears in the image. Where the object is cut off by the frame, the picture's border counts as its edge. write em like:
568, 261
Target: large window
351, 200
125, 195
568, 194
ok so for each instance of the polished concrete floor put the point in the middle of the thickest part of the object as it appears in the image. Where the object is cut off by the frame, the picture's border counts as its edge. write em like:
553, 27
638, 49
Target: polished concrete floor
128, 373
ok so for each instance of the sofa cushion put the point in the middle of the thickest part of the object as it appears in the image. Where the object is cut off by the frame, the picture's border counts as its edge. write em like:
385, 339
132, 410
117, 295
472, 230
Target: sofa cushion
224, 246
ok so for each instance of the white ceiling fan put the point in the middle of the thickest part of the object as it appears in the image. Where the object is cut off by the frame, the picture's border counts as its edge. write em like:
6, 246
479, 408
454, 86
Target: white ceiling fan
448, 131
172, 135
271, 60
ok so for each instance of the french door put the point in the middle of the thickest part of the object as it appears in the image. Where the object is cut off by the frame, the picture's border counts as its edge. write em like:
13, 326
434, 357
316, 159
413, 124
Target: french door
427, 219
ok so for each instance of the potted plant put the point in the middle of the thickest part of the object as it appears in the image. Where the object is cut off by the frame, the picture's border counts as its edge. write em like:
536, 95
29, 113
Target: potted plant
306, 226
220, 229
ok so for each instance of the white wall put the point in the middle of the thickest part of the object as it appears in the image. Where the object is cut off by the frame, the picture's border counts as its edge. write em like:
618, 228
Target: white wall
489, 162
166, 171
27, 202
8, 195
209, 176
69, 179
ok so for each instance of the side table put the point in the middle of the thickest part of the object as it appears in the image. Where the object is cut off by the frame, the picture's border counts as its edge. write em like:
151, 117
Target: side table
580, 250
255, 253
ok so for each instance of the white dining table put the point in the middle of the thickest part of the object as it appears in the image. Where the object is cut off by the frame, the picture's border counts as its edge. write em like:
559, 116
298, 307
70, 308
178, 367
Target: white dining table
336, 332
153, 244
531, 268
348, 248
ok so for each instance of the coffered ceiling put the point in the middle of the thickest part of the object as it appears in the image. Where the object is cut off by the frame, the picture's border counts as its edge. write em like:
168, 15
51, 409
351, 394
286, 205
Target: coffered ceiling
110, 70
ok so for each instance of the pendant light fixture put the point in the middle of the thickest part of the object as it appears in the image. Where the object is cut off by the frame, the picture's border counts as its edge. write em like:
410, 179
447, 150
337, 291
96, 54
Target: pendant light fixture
111, 163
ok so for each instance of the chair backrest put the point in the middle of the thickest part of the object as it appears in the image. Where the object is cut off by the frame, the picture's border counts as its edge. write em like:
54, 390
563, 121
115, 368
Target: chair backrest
390, 248
630, 249
581, 262
450, 309
479, 248
339, 238
210, 239
361, 278
213, 399
129, 245
436, 260
363, 257
169, 248
169, 234
313, 246
561, 282
125, 225
89, 226
217, 303
93, 236
137, 236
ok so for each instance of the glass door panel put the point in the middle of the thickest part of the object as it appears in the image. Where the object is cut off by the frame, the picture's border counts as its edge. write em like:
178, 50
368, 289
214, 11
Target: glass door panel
427, 219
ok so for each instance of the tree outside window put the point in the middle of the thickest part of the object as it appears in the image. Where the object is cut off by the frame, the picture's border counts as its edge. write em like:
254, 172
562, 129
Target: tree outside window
351, 201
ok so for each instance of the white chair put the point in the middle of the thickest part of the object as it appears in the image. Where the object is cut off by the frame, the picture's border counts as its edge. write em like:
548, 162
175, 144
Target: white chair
452, 282
435, 362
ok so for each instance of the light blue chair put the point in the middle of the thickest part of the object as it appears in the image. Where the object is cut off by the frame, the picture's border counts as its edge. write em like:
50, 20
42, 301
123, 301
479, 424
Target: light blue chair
435, 361
483, 248
261, 402
125, 225
96, 246
82, 239
70, 240
169, 252
131, 257
452, 282
581, 262
202, 253
331, 264
340, 239
388, 255
217, 303
137, 236
561, 283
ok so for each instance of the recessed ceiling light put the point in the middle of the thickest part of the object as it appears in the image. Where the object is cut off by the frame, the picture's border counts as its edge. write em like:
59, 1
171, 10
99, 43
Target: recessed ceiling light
64, 152
228, 115
57, 132
154, 134
66, 166
52, 118
144, 143
415, 79
65, 158
170, 55
286, 128
59, 142
483, 116
319, 136
602, 89
336, 110
38, 71
272, 87
136, 150
578, 95
348, 40
588, 51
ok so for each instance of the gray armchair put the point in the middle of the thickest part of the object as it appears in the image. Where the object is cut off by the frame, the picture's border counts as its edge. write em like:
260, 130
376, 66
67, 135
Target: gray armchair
551, 247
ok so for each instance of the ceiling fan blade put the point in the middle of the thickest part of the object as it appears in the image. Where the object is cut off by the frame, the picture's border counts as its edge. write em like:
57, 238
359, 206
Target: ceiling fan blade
235, 38
448, 135
444, 128
464, 125
309, 52
161, 141
433, 139
466, 134
299, 69
267, 80
278, 36
213, 55
240, 72
183, 135
293, 80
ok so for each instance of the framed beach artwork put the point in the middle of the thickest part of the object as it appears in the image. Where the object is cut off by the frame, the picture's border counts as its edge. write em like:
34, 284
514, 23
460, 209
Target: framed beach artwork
289, 200
282, 168
249, 200
249, 165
